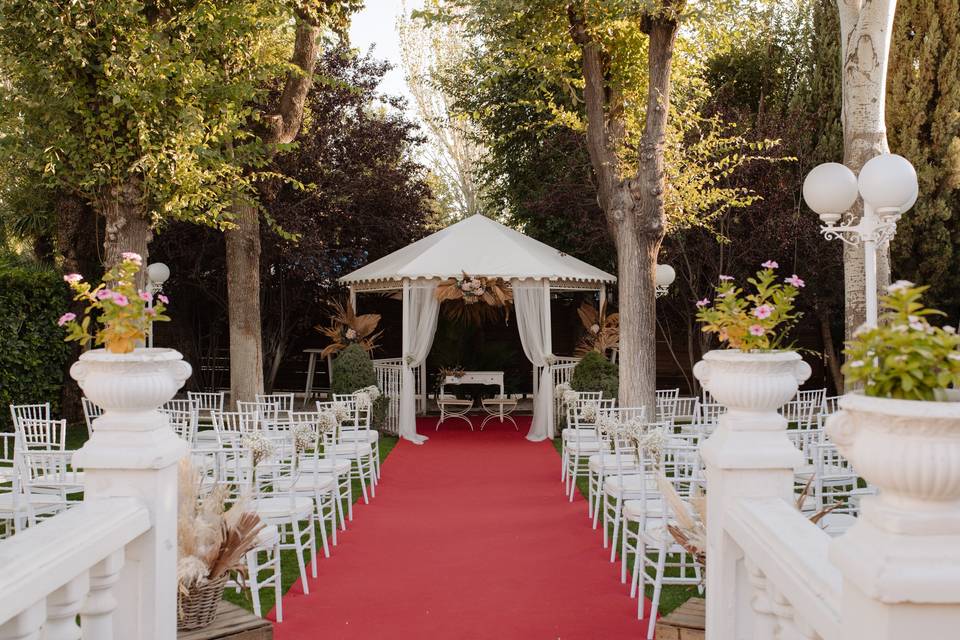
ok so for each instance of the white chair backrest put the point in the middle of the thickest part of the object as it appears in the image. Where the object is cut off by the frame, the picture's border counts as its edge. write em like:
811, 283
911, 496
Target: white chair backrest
42, 434
686, 409
207, 401
831, 404
709, 415
50, 469
91, 412
183, 423
29, 412
282, 404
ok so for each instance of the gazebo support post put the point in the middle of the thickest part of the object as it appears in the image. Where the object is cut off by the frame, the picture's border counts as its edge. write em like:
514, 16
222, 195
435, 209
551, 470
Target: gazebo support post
353, 298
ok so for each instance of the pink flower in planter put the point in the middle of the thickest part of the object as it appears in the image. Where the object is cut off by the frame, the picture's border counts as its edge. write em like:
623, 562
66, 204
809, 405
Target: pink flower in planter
756, 330
103, 294
130, 256
164, 299
145, 296
763, 311
72, 278
65, 318
120, 300
726, 278
770, 264
796, 281
703, 303
150, 311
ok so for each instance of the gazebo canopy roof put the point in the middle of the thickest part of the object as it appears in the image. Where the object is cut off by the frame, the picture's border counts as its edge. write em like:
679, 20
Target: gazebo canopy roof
480, 247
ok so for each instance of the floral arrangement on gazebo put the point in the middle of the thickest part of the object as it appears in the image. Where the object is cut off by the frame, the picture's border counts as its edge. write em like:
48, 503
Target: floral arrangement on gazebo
347, 328
481, 298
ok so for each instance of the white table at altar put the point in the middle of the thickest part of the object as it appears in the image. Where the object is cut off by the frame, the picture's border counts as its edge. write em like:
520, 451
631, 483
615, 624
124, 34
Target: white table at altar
493, 378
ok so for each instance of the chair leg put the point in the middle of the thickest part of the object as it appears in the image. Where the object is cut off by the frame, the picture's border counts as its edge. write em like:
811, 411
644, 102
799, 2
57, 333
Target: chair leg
253, 577
322, 522
298, 547
616, 528
573, 479
657, 587
277, 582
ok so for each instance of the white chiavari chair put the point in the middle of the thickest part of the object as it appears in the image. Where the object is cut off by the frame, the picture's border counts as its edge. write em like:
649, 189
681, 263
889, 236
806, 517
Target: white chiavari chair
581, 439
835, 487
569, 435
29, 412
325, 460
207, 403
355, 419
41, 434
8, 447
281, 411
677, 469
23, 503
667, 405
622, 480
183, 423
686, 410
350, 432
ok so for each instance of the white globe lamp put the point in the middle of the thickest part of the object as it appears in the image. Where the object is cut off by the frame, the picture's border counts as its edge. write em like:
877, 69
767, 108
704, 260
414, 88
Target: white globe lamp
888, 182
830, 189
665, 275
158, 273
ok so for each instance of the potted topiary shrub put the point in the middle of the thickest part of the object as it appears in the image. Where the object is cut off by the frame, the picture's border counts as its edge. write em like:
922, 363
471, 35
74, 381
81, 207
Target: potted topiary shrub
353, 371
902, 431
595, 373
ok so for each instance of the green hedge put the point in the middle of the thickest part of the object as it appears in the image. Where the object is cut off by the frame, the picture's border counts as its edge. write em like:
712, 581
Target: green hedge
595, 373
32, 351
353, 370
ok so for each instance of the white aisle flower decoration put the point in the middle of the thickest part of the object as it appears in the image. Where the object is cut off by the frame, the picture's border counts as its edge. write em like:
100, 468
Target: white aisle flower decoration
259, 446
367, 396
304, 437
328, 420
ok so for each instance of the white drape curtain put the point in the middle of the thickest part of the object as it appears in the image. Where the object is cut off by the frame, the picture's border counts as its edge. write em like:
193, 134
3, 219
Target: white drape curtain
531, 299
420, 308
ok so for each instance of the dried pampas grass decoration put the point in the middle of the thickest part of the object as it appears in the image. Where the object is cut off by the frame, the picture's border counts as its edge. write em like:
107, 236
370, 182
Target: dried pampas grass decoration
212, 539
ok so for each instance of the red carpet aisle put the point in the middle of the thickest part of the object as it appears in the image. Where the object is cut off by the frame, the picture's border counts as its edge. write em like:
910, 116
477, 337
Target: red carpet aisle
469, 537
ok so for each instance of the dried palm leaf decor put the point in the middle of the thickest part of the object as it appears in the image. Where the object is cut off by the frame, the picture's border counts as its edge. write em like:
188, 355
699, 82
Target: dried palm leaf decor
474, 300
347, 328
602, 330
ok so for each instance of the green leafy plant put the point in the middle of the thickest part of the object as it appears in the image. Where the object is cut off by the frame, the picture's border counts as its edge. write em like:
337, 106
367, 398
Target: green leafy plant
757, 321
904, 356
124, 311
595, 373
352, 371
33, 357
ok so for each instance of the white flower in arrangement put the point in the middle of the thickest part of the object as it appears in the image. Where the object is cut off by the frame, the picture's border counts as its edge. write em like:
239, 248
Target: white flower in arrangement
351, 334
328, 420
304, 437
259, 446
594, 329
588, 412
366, 397
342, 412
570, 397
561, 388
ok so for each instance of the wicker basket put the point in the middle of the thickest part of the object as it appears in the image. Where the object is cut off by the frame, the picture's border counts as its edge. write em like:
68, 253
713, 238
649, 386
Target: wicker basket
198, 608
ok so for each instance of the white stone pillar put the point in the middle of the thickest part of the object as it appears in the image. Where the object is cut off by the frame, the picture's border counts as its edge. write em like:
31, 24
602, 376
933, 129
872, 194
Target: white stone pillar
748, 456
901, 560
134, 453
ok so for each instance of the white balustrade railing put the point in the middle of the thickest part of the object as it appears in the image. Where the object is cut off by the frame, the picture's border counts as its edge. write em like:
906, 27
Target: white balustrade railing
774, 575
389, 379
67, 566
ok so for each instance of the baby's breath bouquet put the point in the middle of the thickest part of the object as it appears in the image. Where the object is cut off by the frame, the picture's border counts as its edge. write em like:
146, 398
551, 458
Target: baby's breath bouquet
758, 321
124, 311
904, 356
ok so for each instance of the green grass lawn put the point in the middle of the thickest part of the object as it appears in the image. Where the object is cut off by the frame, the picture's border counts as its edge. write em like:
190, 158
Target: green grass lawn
671, 596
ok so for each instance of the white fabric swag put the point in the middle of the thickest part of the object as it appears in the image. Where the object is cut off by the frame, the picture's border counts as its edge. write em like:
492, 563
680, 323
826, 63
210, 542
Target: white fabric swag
421, 308
532, 303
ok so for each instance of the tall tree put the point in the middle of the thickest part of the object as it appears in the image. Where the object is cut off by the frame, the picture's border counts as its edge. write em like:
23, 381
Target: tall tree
924, 100
865, 32
274, 125
428, 50
127, 105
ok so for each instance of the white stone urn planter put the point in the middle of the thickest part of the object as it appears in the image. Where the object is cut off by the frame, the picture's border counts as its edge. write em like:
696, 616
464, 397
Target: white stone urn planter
752, 386
130, 388
909, 449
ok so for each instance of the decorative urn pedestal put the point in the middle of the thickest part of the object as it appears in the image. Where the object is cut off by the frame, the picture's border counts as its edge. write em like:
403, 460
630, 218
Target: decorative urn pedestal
748, 455
133, 452
901, 560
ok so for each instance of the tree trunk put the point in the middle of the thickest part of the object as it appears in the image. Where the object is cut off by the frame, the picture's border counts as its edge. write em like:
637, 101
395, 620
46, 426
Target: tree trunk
865, 28
127, 225
830, 354
243, 242
243, 291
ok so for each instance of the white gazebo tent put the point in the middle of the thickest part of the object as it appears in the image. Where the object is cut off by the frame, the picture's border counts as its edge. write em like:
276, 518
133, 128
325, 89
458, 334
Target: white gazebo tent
479, 247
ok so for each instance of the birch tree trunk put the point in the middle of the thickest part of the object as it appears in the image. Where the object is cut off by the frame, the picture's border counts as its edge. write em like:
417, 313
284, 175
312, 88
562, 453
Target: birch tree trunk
634, 207
865, 29
243, 242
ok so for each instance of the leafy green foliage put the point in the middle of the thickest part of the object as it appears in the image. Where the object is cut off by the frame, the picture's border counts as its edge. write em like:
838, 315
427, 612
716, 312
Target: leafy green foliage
34, 354
352, 371
756, 321
102, 93
923, 100
595, 373
904, 356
